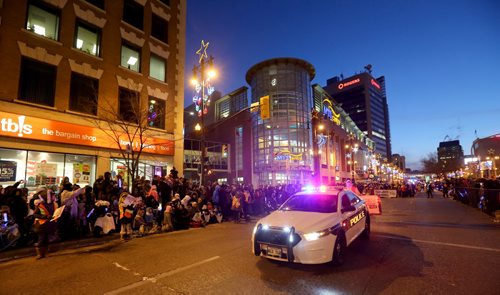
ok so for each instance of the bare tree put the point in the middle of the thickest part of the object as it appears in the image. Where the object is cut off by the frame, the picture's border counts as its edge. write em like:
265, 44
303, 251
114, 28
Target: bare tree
430, 164
131, 122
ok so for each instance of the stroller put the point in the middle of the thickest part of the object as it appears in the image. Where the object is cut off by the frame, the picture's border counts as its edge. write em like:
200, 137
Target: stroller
100, 219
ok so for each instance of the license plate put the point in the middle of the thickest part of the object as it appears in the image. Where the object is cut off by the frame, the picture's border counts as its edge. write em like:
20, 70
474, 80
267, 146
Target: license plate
273, 251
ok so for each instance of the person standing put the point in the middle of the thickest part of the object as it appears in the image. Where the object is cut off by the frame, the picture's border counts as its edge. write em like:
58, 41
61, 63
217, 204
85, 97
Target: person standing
126, 207
445, 191
429, 191
44, 226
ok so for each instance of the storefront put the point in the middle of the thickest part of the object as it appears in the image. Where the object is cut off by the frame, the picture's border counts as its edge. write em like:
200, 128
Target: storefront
42, 152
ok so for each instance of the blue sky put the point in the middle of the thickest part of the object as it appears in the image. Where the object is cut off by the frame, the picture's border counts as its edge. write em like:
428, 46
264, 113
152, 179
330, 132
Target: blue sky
441, 59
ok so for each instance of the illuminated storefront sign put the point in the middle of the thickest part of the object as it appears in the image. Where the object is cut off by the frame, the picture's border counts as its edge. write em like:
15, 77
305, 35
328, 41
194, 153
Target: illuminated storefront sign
348, 83
374, 83
14, 125
287, 156
329, 112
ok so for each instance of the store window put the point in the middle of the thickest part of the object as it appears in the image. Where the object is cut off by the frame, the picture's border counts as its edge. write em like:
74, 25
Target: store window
128, 105
156, 112
131, 58
88, 39
133, 13
45, 169
12, 166
37, 82
43, 20
159, 28
83, 94
157, 68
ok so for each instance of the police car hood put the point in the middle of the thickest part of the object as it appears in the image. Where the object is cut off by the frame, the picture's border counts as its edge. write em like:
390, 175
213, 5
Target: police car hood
302, 221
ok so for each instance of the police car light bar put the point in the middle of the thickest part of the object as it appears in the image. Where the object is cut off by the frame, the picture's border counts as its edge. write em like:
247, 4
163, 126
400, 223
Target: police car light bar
311, 188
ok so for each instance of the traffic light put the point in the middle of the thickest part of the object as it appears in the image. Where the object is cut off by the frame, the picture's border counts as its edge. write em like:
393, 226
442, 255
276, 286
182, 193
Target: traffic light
264, 108
224, 150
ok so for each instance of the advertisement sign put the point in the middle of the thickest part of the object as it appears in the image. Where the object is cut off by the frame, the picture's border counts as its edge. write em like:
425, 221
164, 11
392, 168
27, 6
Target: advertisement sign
81, 173
8, 170
386, 193
20, 126
46, 169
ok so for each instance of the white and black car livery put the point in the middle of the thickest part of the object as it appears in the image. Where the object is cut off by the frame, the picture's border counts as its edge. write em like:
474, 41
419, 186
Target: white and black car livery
312, 227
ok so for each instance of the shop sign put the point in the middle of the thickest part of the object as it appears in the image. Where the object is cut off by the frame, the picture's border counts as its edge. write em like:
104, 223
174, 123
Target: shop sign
8, 170
348, 83
329, 112
47, 130
287, 156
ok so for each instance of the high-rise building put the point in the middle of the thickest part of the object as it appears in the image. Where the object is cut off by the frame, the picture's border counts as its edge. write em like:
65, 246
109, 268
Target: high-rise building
68, 64
364, 99
282, 135
450, 156
399, 161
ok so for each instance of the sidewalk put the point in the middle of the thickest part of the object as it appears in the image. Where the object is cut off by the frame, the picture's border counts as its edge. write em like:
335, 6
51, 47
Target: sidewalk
29, 251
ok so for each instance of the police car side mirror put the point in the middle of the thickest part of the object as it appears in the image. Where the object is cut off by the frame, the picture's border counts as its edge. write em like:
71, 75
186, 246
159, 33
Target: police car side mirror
349, 208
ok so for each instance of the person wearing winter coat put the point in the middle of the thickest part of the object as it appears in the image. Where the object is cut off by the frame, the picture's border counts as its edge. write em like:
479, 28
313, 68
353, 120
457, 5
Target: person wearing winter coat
126, 207
45, 207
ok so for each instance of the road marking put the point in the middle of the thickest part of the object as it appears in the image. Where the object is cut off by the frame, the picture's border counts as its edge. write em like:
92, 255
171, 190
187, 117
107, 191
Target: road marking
440, 243
158, 276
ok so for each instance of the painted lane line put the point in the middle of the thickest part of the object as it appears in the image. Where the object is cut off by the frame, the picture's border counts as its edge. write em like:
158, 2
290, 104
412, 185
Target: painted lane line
440, 243
154, 279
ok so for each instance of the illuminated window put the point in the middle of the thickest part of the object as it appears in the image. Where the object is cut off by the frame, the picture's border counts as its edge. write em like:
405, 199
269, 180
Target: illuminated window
43, 21
87, 39
157, 68
156, 113
133, 13
37, 82
159, 28
83, 94
131, 58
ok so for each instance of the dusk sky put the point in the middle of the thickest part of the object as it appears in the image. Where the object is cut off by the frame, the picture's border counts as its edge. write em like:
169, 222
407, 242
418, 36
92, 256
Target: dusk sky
441, 59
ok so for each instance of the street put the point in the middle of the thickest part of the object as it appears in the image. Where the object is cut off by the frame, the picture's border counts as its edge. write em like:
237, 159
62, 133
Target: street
417, 246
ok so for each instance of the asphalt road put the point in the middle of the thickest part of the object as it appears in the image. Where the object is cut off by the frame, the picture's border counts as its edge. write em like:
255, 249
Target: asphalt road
417, 246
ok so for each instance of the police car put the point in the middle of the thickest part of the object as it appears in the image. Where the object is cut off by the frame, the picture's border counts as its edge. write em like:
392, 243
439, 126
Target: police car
313, 226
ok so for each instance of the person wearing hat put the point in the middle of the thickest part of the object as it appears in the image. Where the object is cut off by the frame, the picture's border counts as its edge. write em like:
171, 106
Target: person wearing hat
352, 187
44, 210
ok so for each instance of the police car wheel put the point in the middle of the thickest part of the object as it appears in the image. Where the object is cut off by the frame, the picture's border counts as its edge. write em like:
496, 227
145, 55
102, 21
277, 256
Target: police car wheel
366, 231
339, 251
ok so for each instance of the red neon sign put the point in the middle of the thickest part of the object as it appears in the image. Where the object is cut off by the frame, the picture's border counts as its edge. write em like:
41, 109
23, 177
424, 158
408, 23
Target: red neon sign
375, 84
349, 83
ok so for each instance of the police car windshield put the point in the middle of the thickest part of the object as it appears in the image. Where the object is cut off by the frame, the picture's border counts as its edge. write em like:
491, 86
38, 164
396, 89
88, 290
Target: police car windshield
321, 203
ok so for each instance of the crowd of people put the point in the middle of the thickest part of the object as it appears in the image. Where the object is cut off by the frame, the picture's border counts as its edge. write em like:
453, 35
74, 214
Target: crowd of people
163, 204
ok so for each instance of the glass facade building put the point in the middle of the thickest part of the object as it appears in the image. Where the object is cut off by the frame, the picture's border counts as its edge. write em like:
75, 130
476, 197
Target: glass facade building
281, 143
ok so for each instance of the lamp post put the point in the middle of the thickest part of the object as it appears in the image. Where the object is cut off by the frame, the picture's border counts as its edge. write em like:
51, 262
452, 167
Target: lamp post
202, 75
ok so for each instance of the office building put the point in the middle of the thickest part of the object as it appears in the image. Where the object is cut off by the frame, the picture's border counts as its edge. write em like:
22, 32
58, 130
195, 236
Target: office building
68, 66
364, 99
450, 156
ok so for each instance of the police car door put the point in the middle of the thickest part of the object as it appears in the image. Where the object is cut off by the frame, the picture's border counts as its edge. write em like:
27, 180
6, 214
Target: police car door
358, 218
347, 216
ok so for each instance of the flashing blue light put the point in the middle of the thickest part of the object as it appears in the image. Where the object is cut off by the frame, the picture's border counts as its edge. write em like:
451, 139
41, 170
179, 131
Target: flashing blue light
308, 188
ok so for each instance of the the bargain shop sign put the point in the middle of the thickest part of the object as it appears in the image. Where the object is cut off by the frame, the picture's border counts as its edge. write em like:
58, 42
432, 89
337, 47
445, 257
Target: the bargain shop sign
20, 126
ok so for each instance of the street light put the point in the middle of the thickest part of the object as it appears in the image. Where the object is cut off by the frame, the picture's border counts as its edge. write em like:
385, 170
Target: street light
202, 75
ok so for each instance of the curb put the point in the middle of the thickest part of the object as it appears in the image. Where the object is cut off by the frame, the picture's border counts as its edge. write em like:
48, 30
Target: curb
29, 251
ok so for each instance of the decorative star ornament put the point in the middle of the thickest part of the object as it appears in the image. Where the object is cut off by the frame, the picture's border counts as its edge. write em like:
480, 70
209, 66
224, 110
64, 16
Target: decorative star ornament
202, 52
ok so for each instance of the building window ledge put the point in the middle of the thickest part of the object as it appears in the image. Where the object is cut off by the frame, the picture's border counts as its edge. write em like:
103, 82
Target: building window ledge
86, 54
34, 104
158, 81
163, 43
131, 71
81, 114
41, 37
129, 26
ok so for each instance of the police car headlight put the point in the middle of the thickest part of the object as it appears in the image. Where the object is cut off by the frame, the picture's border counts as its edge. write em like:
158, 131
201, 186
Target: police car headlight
316, 235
